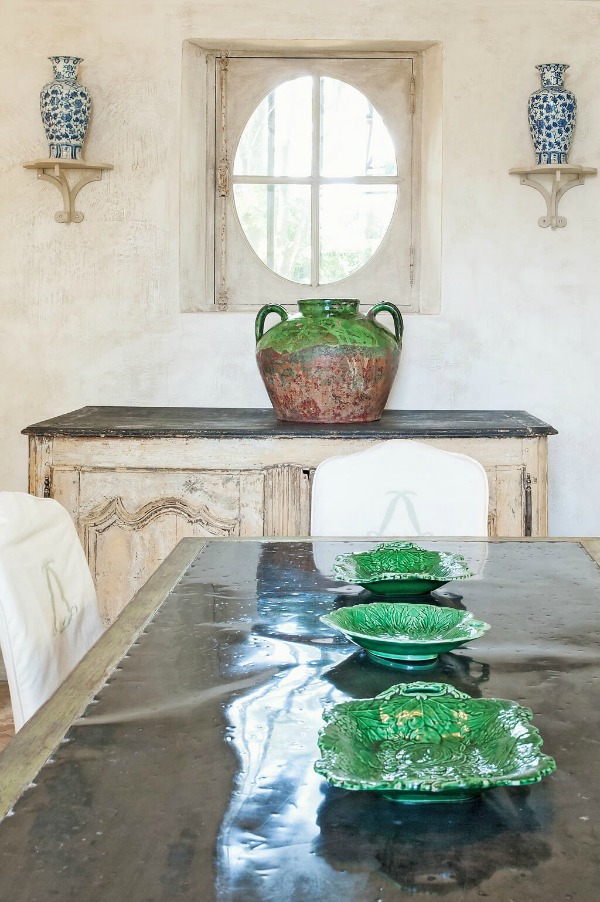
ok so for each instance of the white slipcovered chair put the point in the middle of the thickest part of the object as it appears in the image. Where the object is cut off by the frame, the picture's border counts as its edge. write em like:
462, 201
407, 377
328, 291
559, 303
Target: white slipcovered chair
400, 488
48, 612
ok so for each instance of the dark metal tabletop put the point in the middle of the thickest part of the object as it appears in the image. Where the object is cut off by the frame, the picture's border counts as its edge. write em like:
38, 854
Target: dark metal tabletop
190, 775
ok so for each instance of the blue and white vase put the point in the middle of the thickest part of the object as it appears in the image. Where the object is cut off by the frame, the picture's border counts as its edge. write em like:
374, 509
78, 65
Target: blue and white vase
552, 110
65, 107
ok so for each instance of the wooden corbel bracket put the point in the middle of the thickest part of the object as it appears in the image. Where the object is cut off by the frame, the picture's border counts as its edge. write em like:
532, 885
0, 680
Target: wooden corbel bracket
562, 178
55, 172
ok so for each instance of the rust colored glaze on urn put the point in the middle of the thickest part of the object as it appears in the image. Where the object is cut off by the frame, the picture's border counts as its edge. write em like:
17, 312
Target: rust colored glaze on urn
328, 363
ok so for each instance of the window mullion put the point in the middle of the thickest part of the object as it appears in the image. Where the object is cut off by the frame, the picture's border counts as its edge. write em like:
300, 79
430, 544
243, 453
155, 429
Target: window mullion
223, 191
271, 187
315, 171
323, 180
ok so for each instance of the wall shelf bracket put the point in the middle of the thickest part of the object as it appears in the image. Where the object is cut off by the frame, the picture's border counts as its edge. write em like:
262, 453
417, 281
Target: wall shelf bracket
55, 172
560, 179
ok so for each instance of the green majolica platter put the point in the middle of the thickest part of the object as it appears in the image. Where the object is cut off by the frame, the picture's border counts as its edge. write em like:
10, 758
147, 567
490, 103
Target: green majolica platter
428, 742
400, 568
411, 633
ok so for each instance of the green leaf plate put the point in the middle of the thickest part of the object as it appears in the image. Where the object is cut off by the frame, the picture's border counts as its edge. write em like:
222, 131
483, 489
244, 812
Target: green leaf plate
400, 568
412, 633
428, 742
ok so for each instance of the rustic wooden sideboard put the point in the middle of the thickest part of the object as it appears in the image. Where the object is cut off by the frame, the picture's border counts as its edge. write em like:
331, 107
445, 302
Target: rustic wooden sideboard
138, 479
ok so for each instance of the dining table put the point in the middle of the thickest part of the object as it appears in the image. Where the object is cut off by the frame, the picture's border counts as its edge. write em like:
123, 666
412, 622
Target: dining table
177, 761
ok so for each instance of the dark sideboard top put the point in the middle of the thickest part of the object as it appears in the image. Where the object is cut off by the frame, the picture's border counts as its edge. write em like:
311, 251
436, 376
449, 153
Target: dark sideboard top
239, 422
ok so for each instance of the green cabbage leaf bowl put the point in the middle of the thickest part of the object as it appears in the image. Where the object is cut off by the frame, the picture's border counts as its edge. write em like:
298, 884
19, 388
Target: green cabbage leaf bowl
428, 742
400, 568
415, 633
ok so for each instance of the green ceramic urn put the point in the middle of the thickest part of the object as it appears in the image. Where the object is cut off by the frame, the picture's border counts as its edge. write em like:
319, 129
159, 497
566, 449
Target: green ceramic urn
328, 363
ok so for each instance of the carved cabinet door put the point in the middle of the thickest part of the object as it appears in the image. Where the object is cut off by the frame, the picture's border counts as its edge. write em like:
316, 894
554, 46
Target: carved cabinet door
129, 520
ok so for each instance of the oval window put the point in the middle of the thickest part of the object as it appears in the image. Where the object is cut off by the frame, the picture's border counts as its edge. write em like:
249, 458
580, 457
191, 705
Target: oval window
315, 180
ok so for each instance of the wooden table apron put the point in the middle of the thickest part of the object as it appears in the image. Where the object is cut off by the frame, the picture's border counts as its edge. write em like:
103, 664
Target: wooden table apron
182, 747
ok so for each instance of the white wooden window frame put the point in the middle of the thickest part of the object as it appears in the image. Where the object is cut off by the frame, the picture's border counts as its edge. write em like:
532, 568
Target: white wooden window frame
201, 222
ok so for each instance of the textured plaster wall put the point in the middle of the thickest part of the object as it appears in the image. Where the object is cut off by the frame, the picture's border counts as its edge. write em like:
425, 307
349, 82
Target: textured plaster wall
89, 313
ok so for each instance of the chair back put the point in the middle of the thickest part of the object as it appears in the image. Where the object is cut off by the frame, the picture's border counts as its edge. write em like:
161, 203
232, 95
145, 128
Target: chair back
48, 612
400, 488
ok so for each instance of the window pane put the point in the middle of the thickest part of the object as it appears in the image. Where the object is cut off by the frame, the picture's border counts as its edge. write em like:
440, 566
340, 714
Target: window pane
278, 137
353, 222
276, 220
354, 138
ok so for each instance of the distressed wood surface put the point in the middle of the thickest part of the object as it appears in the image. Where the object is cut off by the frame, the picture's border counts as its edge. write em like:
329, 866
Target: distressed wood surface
250, 422
592, 546
286, 500
129, 517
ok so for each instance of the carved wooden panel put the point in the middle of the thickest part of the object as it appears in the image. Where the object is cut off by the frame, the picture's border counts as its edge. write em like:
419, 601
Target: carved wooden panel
129, 521
124, 546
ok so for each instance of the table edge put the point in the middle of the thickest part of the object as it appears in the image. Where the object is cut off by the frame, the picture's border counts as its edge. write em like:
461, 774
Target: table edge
35, 743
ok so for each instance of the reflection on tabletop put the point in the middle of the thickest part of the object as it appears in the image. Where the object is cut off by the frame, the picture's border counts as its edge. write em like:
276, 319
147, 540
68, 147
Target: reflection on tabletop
273, 730
437, 848
292, 592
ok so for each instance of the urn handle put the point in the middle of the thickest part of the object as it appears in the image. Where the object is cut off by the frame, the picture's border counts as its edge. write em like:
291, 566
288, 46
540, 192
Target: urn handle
396, 316
262, 315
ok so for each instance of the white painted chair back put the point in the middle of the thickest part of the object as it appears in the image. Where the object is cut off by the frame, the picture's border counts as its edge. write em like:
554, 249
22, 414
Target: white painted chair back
400, 488
48, 611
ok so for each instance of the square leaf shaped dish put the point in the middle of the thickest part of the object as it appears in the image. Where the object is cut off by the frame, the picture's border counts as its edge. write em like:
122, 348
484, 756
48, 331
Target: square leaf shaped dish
428, 742
400, 568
